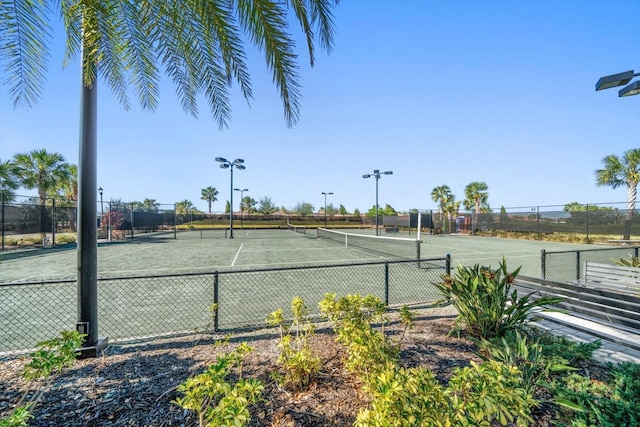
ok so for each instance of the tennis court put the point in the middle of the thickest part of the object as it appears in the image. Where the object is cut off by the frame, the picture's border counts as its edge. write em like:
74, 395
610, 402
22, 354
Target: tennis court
251, 249
154, 286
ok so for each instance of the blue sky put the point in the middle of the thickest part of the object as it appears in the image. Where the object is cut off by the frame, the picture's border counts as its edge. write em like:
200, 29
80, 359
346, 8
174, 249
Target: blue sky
439, 92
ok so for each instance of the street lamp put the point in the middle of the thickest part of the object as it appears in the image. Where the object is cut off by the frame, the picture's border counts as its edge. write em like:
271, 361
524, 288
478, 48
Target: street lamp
238, 164
376, 173
325, 208
241, 200
101, 208
620, 79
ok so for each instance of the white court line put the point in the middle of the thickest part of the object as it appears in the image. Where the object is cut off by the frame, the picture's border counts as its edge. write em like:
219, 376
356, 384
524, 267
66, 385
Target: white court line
234, 260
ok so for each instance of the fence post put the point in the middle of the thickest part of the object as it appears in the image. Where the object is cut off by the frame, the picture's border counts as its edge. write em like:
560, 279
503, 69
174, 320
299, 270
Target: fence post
448, 264
386, 283
543, 264
587, 225
53, 221
577, 265
635, 251
215, 301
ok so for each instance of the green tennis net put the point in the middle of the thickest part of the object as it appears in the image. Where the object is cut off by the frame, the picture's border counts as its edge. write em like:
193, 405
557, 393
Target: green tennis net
395, 247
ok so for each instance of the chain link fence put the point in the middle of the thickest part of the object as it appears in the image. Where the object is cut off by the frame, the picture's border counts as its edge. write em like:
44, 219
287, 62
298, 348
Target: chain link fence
566, 266
153, 306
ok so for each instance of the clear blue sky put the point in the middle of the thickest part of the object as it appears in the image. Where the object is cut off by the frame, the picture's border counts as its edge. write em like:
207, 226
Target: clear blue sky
439, 92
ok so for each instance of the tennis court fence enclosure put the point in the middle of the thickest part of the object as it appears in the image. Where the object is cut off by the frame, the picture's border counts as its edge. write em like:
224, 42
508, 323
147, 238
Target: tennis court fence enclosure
117, 220
136, 307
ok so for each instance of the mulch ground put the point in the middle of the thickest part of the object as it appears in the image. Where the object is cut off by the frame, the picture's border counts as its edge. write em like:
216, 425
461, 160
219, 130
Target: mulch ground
135, 384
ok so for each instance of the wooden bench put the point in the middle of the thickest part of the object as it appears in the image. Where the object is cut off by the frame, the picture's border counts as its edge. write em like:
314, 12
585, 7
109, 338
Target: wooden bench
616, 277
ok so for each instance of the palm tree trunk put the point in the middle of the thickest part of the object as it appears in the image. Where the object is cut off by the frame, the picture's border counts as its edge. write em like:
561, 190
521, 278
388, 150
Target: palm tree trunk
631, 207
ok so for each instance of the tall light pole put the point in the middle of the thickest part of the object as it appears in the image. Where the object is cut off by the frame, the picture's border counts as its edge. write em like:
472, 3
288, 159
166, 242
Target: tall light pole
101, 207
224, 164
377, 174
620, 79
241, 200
325, 208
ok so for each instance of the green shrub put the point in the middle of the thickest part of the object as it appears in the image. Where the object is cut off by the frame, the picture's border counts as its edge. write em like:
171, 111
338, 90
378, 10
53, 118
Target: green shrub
612, 404
296, 357
476, 395
486, 302
632, 261
217, 401
65, 238
535, 366
49, 359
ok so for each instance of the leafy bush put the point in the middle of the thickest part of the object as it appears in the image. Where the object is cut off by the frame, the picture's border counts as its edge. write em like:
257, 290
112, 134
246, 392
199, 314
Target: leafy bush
65, 238
632, 261
612, 404
486, 302
217, 401
296, 356
49, 359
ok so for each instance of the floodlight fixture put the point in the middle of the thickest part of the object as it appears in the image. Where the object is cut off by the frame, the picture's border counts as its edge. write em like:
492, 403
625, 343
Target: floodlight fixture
226, 164
620, 79
632, 89
377, 174
615, 80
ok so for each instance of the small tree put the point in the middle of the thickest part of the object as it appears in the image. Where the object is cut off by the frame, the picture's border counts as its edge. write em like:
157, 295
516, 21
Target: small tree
266, 206
304, 209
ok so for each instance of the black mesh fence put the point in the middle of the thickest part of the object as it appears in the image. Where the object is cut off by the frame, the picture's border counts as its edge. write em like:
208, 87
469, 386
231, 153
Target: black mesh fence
613, 220
565, 266
153, 306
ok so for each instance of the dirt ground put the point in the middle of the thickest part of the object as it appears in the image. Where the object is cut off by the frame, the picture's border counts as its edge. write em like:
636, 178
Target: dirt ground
134, 384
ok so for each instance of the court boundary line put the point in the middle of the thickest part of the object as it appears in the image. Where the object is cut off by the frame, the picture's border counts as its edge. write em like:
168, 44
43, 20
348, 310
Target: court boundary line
237, 254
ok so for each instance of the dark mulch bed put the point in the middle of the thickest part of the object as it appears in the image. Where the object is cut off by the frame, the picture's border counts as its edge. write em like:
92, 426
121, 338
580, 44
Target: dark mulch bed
134, 384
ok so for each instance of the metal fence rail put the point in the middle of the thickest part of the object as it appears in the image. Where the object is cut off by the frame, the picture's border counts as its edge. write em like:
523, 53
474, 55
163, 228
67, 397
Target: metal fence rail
565, 266
149, 306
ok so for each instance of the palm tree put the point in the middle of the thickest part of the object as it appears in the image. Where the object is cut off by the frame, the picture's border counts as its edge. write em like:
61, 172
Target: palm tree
8, 181
622, 171
475, 197
199, 45
44, 171
441, 195
184, 207
209, 195
70, 187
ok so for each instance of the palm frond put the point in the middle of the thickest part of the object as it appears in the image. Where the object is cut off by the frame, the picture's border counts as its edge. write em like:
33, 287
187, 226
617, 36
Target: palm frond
24, 37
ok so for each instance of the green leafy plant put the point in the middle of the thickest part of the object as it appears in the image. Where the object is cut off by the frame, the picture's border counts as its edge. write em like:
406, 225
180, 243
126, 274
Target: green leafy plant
475, 395
486, 302
217, 401
49, 359
296, 357
213, 311
534, 365
352, 317
632, 261
606, 404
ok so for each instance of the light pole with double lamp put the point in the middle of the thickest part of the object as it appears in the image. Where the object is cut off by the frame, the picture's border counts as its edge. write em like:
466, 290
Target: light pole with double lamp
241, 201
620, 79
325, 207
224, 164
377, 174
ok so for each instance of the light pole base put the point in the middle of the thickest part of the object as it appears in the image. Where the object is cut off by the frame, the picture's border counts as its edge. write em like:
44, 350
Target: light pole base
93, 350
